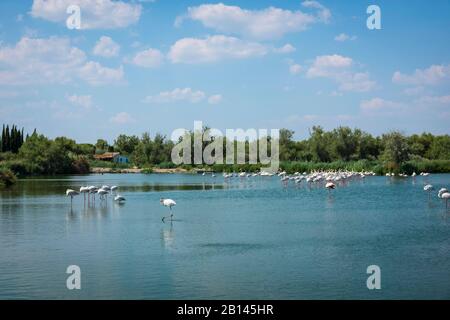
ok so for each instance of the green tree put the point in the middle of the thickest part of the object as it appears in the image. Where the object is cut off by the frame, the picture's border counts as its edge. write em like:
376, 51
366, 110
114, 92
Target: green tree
126, 144
396, 149
101, 146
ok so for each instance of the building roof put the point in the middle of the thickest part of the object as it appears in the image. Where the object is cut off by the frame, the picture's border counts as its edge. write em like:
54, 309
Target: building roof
106, 155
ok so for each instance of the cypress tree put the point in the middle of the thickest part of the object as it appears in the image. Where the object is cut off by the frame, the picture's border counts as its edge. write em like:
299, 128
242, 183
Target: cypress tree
4, 139
7, 139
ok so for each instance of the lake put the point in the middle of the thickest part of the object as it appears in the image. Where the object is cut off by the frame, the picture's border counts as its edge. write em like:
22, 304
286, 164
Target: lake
249, 238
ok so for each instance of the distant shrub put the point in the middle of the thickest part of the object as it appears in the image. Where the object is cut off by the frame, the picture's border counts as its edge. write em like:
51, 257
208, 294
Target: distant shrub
167, 165
81, 166
7, 177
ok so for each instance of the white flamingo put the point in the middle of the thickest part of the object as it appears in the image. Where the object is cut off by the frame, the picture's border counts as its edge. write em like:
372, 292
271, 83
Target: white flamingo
168, 203
71, 193
428, 188
103, 193
330, 186
119, 198
84, 190
446, 196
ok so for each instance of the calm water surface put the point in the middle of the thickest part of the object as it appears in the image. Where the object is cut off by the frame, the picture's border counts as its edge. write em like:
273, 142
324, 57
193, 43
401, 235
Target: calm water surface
246, 239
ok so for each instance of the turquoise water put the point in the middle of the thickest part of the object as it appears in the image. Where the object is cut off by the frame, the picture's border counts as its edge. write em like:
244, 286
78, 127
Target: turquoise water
246, 239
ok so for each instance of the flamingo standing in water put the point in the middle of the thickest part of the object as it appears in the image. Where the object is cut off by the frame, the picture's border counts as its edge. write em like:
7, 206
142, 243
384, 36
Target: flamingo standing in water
103, 194
446, 196
71, 193
428, 189
84, 190
119, 198
168, 203
330, 186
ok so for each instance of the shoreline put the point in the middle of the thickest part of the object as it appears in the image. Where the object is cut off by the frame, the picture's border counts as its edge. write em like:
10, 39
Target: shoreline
97, 170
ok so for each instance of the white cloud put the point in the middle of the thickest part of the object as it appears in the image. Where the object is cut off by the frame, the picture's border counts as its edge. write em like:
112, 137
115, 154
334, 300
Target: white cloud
267, 23
413, 91
106, 47
295, 69
433, 75
95, 74
82, 101
377, 105
52, 60
287, 48
212, 49
344, 37
177, 95
98, 14
215, 99
150, 58
339, 69
434, 100
122, 118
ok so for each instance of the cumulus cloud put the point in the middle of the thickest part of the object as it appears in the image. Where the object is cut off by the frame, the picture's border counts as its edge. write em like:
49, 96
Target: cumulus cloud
96, 74
182, 95
340, 69
106, 47
122, 118
295, 68
39, 60
99, 14
267, 23
434, 100
344, 37
213, 49
84, 101
379, 105
177, 95
150, 58
215, 99
51, 60
433, 75
287, 48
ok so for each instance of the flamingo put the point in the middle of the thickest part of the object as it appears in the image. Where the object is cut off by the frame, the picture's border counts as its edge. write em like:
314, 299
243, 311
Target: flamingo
441, 192
330, 186
71, 193
446, 196
84, 190
168, 203
114, 188
119, 198
93, 190
428, 188
102, 193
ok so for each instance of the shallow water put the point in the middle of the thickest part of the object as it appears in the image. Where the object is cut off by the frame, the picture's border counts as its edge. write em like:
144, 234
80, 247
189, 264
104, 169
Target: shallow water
245, 239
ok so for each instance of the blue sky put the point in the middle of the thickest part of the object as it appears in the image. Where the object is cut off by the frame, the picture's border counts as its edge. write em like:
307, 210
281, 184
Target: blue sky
156, 66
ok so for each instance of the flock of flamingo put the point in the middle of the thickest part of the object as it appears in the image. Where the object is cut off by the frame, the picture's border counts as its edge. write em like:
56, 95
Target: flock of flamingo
326, 179
104, 191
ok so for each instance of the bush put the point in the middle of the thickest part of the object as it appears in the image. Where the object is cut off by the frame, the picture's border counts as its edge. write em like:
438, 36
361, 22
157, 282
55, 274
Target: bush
147, 170
166, 165
7, 177
81, 166
18, 167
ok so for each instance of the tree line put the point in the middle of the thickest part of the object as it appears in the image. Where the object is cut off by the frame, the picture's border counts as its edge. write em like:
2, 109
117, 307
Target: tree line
339, 148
